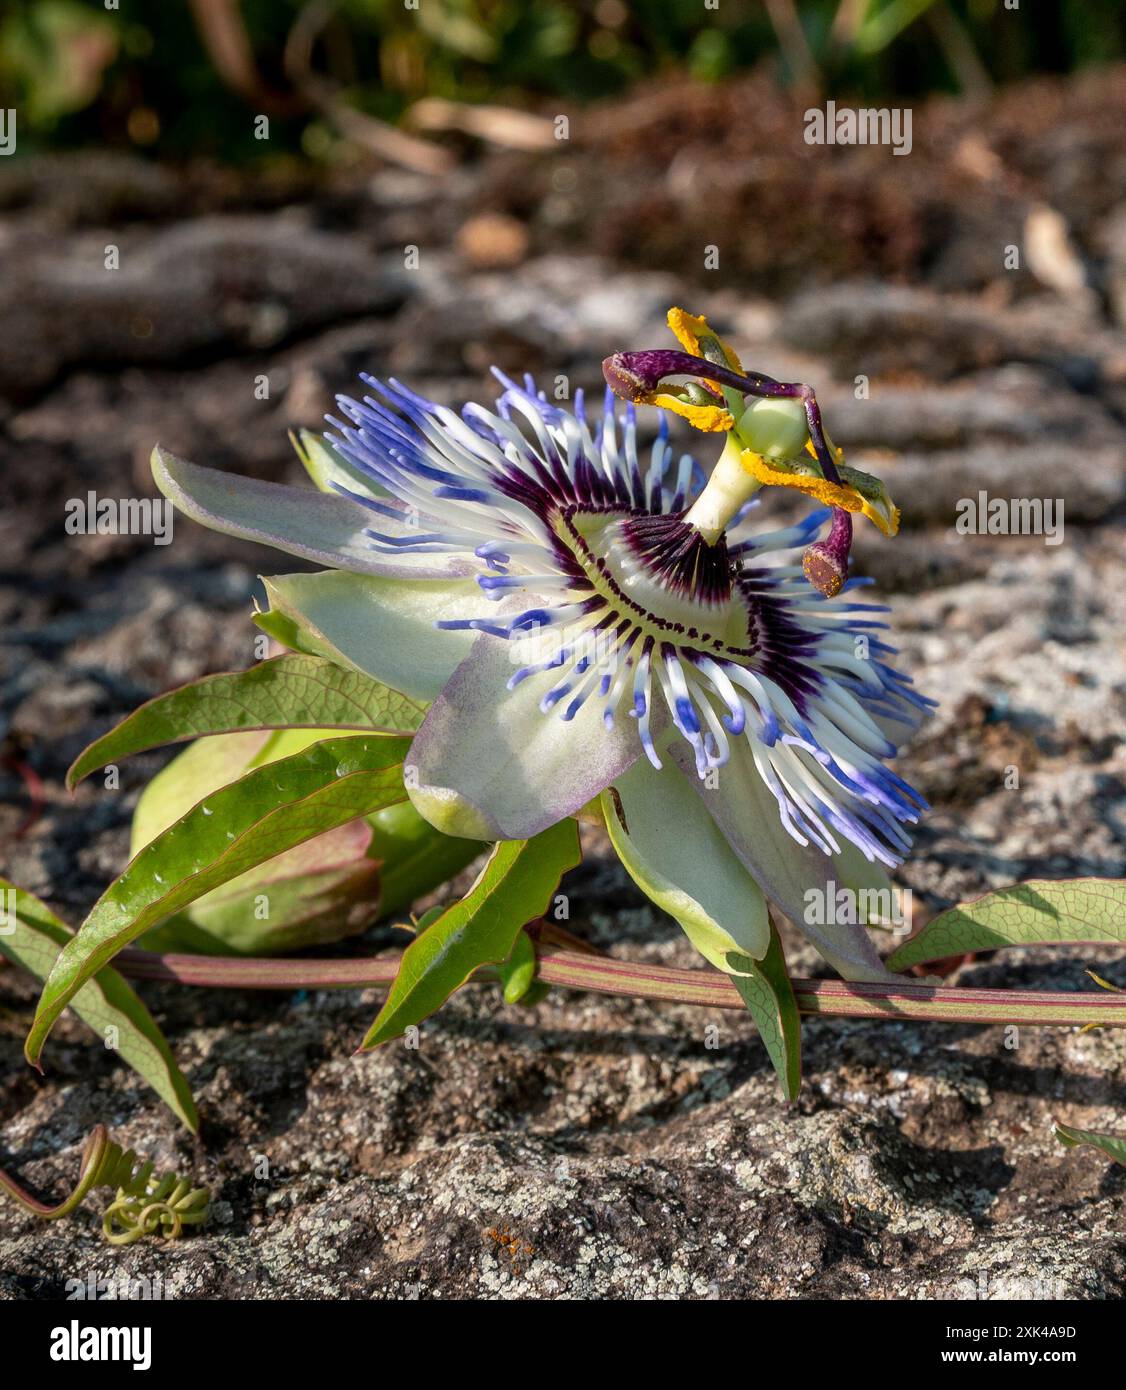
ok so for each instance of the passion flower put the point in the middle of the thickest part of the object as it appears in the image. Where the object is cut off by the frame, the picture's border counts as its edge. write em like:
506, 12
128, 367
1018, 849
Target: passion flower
589, 619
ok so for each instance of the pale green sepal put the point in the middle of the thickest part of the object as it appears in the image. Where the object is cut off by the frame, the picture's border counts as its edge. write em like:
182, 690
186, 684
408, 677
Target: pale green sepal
678, 857
382, 627
328, 469
791, 875
327, 528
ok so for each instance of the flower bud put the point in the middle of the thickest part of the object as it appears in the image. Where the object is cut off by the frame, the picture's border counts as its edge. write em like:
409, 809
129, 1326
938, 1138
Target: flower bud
332, 886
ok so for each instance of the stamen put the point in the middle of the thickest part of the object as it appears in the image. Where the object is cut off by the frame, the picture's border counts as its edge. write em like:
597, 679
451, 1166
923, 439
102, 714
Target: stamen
826, 562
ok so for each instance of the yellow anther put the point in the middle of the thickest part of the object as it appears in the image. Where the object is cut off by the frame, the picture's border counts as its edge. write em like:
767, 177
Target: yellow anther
857, 492
712, 419
692, 329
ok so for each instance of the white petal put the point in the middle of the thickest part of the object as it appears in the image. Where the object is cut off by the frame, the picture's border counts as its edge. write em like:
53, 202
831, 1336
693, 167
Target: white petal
745, 810
318, 526
678, 856
383, 627
489, 764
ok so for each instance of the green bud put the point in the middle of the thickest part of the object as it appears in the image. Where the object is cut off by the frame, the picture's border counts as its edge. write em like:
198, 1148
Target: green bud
328, 888
518, 974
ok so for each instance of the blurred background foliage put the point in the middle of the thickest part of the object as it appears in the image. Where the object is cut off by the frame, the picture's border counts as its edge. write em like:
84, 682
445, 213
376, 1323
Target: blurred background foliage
183, 73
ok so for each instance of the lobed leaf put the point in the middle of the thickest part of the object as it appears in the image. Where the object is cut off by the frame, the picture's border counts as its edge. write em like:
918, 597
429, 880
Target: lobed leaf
384, 627
264, 813
208, 763
293, 691
326, 888
32, 937
514, 888
1039, 912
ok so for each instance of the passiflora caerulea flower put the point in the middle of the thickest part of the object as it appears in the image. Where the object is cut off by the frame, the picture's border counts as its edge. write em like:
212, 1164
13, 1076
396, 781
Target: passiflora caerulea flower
589, 620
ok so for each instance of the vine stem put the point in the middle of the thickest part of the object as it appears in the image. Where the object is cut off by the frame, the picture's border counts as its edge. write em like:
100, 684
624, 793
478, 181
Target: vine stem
606, 975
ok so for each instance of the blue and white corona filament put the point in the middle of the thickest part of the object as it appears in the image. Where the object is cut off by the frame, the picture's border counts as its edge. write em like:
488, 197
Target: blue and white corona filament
631, 608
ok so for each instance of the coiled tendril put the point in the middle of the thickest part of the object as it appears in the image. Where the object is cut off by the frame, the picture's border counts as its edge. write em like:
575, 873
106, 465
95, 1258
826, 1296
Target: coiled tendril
144, 1205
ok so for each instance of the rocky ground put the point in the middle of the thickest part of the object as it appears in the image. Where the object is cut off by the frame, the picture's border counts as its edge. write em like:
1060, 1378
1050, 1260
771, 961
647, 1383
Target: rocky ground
594, 1147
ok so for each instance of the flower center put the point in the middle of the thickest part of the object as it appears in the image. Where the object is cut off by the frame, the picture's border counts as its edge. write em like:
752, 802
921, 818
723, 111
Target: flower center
658, 571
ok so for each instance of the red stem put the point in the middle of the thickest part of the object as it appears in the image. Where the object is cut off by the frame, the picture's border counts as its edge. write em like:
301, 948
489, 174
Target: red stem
708, 988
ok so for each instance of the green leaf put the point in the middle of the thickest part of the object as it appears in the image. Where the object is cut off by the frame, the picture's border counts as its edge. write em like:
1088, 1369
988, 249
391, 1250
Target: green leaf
1113, 1145
769, 996
266, 812
321, 890
33, 936
1037, 913
332, 886
291, 691
203, 767
514, 888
